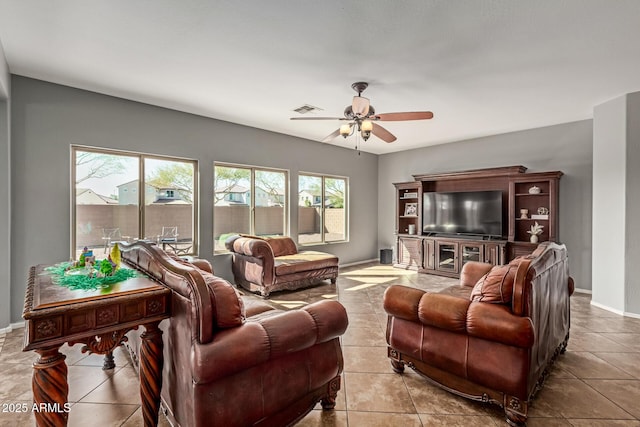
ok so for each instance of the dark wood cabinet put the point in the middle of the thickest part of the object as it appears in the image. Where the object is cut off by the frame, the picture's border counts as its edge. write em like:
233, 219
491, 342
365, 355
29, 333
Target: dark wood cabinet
409, 253
533, 198
445, 256
527, 198
409, 208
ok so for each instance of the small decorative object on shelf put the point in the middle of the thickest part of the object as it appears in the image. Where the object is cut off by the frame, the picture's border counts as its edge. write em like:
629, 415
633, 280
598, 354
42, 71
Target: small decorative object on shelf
543, 213
412, 229
524, 213
534, 190
535, 230
411, 209
413, 195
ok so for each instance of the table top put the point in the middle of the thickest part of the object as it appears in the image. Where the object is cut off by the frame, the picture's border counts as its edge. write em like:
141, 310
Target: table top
46, 294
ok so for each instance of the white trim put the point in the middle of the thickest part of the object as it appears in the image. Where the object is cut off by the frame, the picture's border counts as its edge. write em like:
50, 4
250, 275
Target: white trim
583, 291
634, 315
604, 307
11, 327
359, 262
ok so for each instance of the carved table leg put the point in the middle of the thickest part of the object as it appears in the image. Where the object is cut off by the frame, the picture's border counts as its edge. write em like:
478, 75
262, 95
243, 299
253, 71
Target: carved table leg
108, 362
151, 360
50, 388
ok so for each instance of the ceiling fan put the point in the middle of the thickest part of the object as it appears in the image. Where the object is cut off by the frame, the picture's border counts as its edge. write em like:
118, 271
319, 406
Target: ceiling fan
362, 117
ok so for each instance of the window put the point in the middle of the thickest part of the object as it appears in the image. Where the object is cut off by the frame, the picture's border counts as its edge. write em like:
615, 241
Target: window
322, 209
249, 200
106, 201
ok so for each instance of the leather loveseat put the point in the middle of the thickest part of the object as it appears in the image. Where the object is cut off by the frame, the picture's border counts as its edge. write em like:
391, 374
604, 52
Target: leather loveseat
231, 360
266, 265
493, 337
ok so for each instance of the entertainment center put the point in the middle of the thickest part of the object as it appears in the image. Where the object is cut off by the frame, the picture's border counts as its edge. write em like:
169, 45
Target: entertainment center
444, 220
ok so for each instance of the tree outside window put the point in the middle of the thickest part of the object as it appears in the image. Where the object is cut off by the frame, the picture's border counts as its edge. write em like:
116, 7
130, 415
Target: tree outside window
111, 185
248, 200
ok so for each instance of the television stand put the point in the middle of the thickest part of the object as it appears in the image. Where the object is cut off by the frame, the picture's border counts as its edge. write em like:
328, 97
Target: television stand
445, 255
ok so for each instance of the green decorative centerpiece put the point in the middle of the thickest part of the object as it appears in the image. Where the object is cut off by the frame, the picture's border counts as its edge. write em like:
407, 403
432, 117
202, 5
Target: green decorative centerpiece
90, 274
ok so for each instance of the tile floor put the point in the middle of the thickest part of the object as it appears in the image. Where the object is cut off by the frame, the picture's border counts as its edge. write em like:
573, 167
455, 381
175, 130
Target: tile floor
595, 383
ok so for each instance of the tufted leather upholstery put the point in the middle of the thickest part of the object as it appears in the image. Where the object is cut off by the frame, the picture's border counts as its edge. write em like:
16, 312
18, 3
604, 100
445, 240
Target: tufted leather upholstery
486, 351
231, 360
267, 265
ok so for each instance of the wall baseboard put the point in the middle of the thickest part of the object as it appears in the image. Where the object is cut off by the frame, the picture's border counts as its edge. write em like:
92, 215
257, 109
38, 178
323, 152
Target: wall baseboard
366, 261
613, 310
11, 327
583, 291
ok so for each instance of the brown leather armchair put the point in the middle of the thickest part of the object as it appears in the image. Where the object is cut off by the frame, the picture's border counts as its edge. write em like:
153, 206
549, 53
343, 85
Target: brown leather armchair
493, 337
267, 265
235, 361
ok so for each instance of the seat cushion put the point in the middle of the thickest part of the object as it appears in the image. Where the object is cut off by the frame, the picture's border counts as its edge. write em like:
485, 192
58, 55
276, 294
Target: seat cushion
496, 286
304, 261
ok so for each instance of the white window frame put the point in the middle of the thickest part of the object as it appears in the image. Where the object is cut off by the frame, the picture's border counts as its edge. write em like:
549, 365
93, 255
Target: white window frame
252, 195
141, 193
323, 177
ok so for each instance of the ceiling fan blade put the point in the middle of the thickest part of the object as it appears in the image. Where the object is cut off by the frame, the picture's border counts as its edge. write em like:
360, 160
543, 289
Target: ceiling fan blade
360, 106
331, 136
394, 117
382, 133
318, 118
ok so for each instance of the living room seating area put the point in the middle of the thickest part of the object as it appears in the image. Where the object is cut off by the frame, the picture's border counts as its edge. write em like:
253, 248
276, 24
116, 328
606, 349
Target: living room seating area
595, 382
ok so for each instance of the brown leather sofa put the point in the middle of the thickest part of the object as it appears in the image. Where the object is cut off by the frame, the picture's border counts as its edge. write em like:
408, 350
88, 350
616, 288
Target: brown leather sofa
266, 265
235, 361
493, 337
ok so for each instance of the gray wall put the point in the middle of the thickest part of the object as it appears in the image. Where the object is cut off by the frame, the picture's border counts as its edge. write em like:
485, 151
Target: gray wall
47, 118
632, 205
616, 204
5, 191
565, 147
609, 189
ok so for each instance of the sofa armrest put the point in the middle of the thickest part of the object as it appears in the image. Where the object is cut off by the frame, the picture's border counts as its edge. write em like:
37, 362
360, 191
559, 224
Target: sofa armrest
203, 264
255, 252
255, 342
472, 271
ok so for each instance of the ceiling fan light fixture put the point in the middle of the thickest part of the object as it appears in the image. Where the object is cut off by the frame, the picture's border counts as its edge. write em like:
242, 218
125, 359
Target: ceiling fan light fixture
345, 130
365, 129
360, 106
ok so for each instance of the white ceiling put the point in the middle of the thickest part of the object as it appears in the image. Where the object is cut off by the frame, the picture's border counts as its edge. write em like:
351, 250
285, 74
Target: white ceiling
483, 67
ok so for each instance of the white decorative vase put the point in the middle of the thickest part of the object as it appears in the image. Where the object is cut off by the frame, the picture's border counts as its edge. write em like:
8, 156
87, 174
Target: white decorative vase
534, 238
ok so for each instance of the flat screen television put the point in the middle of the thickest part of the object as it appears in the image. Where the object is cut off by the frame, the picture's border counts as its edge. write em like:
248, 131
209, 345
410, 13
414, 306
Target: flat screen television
467, 212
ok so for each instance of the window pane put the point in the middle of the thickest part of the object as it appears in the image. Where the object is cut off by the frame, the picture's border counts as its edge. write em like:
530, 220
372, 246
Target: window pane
168, 204
270, 189
232, 198
335, 209
106, 200
309, 209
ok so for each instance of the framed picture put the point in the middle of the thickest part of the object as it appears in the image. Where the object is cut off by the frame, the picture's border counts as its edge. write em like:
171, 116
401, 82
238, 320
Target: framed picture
411, 209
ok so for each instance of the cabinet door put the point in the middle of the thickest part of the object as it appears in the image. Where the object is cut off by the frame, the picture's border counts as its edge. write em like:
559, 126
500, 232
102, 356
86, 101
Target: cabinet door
494, 253
471, 252
447, 256
429, 251
410, 252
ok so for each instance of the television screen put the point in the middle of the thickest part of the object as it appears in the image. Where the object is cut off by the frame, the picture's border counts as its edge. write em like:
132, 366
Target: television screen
466, 212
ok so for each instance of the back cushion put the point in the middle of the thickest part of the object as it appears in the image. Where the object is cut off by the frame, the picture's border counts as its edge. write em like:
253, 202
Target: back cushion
496, 286
282, 246
228, 308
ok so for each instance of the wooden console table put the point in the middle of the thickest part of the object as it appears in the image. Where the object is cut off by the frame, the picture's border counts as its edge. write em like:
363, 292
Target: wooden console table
55, 315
